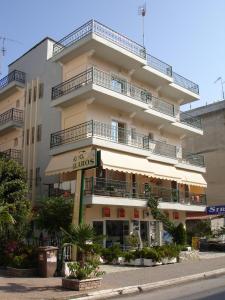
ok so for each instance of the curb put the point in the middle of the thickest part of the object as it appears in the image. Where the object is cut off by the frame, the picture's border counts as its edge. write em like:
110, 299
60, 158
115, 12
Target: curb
109, 293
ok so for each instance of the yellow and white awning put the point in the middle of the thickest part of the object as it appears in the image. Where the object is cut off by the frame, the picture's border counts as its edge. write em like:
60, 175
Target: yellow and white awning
128, 163
138, 165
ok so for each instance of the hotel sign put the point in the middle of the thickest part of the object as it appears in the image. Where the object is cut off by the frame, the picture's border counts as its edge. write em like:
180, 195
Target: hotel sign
216, 210
85, 159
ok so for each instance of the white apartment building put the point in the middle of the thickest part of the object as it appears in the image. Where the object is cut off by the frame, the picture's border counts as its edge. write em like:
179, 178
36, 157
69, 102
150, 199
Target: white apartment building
101, 90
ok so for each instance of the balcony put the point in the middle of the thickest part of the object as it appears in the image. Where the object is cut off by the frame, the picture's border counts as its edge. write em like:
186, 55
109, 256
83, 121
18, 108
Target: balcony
193, 159
112, 134
11, 119
11, 82
185, 83
13, 154
113, 90
189, 120
110, 44
139, 191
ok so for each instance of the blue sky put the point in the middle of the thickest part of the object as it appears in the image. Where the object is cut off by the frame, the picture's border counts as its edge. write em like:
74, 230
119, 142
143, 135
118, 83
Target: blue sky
189, 35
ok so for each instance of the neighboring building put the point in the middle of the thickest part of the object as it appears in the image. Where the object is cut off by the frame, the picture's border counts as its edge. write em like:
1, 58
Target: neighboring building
212, 146
26, 118
108, 94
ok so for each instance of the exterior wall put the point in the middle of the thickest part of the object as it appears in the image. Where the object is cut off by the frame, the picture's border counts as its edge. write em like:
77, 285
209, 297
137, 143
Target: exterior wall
211, 145
11, 101
7, 141
39, 69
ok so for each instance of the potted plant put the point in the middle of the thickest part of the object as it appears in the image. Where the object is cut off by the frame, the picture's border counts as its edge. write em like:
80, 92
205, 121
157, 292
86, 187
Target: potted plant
150, 256
112, 254
22, 259
84, 273
133, 258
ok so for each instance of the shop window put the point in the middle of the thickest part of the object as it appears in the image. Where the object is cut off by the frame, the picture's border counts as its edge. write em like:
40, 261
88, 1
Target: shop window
117, 232
98, 227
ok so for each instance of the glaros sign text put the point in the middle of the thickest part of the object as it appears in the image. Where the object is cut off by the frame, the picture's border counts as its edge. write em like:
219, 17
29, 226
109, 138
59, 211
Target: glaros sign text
85, 159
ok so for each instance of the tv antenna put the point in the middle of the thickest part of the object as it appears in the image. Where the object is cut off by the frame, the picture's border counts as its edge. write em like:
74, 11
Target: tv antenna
3, 50
222, 83
142, 12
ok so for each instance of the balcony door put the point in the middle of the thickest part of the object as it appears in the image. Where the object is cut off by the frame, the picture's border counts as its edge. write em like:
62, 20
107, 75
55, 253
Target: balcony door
118, 85
118, 132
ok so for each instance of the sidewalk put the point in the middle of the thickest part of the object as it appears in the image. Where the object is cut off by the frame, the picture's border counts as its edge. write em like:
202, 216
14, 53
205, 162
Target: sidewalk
50, 288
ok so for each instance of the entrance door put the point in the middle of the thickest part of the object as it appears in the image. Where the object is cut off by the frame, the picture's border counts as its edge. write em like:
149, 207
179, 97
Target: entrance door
144, 232
116, 232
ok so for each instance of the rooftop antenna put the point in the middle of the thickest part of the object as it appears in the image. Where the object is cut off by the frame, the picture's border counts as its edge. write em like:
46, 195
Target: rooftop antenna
142, 12
222, 83
3, 50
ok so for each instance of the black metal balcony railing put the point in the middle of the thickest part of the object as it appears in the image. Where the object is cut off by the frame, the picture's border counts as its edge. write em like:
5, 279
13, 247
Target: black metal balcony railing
103, 31
114, 83
115, 188
13, 154
190, 120
159, 65
13, 76
112, 134
193, 159
12, 114
185, 83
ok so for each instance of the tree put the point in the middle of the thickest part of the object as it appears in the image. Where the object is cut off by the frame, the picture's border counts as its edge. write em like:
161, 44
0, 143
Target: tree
15, 208
53, 214
178, 234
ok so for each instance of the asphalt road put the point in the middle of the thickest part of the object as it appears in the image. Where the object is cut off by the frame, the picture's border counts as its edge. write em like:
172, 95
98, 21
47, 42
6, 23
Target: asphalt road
207, 289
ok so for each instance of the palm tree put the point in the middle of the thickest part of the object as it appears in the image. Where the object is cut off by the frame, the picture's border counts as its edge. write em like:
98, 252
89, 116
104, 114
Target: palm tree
83, 236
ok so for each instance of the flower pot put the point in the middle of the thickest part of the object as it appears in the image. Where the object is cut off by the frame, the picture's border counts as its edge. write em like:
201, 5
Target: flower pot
148, 262
157, 263
121, 261
15, 272
165, 260
172, 260
135, 262
81, 285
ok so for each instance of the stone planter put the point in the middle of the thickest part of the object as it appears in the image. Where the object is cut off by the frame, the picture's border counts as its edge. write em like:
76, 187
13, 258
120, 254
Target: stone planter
148, 262
81, 285
14, 272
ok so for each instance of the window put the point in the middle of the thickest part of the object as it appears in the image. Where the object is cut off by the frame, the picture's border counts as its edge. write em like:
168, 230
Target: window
41, 90
38, 177
39, 132
15, 142
119, 85
118, 132
29, 96
35, 93
17, 103
133, 135
31, 178
28, 136
32, 135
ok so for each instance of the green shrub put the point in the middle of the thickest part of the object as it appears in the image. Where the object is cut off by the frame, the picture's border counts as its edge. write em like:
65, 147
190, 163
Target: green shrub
129, 255
90, 269
112, 253
151, 253
180, 235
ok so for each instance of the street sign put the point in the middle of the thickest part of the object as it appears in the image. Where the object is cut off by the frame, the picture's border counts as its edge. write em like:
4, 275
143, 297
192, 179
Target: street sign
215, 210
85, 159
